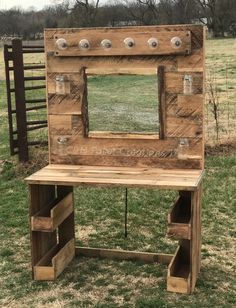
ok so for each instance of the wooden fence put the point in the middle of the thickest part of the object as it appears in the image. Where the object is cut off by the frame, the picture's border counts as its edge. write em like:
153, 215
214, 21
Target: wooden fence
19, 107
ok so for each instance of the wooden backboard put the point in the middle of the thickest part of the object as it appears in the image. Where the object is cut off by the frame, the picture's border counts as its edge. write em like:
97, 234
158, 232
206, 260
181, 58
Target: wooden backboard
174, 53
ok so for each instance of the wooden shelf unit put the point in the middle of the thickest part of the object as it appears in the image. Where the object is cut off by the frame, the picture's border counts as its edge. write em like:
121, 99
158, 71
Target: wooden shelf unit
171, 158
50, 257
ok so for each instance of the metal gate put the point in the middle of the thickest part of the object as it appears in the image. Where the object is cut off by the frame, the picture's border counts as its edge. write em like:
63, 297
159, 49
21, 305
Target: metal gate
20, 108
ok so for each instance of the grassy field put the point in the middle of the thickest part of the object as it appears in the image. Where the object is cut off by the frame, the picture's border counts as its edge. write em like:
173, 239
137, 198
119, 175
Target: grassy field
100, 217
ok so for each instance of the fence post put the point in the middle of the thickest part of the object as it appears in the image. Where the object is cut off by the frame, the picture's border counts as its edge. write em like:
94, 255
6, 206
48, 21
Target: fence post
21, 118
7, 58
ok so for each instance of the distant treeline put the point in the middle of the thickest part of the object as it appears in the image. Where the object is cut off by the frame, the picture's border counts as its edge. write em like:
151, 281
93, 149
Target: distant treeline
218, 15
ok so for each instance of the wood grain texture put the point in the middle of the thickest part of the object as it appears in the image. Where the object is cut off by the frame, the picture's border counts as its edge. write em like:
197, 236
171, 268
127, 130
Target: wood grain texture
179, 217
125, 152
51, 217
115, 176
178, 276
54, 262
118, 254
181, 115
65, 124
41, 243
196, 236
141, 47
70, 102
162, 101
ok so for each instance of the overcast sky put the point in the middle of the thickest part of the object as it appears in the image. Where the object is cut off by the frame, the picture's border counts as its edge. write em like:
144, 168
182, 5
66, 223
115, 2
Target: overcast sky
38, 4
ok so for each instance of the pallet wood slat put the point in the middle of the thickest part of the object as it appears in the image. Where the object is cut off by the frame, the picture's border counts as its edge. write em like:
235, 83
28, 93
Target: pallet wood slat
54, 262
179, 219
178, 277
119, 254
140, 47
49, 218
130, 177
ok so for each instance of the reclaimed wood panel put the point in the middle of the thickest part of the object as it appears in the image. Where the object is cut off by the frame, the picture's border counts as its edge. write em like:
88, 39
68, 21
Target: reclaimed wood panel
179, 270
71, 101
49, 218
40, 196
174, 82
140, 47
118, 254
54, 262
181, 114
65, 124
196, 236
138, 65
130, 177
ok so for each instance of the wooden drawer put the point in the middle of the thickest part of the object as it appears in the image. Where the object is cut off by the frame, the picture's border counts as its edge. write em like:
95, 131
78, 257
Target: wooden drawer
50, 217
179, 219
178, 277
54, 262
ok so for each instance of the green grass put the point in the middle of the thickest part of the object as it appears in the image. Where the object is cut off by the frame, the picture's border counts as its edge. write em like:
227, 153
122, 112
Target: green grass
117, 103
99, 217
100, 222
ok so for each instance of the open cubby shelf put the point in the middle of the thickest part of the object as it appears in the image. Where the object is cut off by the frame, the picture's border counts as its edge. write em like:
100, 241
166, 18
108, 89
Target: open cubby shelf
52, 215
179, 270
179, 218
54, 261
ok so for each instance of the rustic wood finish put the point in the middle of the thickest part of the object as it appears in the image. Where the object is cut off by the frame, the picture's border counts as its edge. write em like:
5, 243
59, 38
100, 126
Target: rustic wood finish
117, 37
172, 159
118, 176
181, 116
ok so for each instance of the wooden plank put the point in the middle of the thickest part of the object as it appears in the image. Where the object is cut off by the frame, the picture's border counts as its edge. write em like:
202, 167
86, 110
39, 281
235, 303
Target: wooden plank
184, 127
162, 101
199, 223
121, 135
118, 47
71, 102
178, 276
193, 62
185, 106
156, 178
175, 84
185, 162
58, 213
196, 200
196, 241
54, 262
147, 257
179, 231
64, 105
66, 230
84, 106
63, 257
123, 71
65, 124
138, 65
125, 152
41, 243
44, 273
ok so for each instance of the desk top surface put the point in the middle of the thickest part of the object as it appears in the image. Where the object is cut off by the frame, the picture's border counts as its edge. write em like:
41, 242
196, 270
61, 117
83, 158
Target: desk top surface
75, 175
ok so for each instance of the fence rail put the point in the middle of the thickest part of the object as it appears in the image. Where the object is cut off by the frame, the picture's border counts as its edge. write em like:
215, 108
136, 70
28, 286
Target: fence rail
19, 114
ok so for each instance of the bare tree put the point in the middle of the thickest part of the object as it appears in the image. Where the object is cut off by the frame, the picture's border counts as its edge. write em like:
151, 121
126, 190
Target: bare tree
143, 12
86, 11
220, 14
